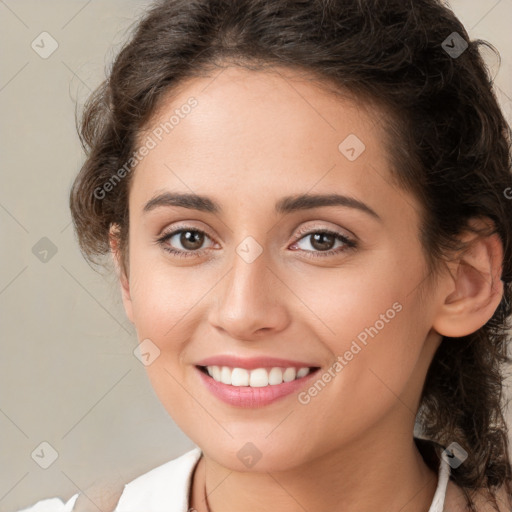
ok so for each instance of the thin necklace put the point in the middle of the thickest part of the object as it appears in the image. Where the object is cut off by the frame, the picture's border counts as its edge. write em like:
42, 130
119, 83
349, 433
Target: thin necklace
206, 499
205, 494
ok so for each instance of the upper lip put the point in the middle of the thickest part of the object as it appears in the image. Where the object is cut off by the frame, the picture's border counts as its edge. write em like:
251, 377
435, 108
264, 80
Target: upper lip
250, 363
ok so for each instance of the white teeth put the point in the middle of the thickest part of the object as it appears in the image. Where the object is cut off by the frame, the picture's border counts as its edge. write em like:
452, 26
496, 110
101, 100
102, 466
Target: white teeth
225, 375
289, 374
239, 377
215, 372
275, 376
257, 378
302, 372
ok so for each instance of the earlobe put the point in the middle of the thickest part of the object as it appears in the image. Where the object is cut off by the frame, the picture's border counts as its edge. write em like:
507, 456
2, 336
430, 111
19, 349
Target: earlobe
475, 288
123, 279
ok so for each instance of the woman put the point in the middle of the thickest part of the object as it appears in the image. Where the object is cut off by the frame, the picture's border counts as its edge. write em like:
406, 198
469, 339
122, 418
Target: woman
306, 205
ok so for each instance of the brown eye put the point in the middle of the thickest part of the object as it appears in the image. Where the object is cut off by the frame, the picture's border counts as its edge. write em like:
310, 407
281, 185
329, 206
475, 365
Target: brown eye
191, 240
184, 242
322, 243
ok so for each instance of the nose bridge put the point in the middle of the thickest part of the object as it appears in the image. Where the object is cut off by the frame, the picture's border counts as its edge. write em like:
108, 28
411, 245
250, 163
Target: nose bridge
248, 301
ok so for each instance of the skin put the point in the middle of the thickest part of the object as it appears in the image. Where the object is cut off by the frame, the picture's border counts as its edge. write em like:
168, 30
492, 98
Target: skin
254, 137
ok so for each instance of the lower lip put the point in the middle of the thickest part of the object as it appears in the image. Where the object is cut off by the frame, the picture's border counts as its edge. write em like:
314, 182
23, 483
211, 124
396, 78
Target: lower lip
248, 397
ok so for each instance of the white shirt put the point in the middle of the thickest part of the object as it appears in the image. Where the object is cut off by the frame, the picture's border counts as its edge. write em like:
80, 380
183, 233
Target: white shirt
166, 489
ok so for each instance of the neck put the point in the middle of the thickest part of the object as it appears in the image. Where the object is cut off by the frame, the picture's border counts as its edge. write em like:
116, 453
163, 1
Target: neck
368, 474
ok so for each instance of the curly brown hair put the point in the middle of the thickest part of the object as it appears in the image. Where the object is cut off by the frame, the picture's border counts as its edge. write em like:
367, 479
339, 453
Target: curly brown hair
447, 139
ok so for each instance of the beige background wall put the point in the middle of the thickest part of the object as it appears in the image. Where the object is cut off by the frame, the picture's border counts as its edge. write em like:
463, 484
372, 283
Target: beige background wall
67, 372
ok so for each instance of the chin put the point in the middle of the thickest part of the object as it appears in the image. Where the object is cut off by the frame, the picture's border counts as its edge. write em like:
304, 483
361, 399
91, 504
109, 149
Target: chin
254, 456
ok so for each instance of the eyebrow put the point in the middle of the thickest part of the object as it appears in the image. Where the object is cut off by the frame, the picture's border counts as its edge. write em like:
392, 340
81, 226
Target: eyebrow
285, 205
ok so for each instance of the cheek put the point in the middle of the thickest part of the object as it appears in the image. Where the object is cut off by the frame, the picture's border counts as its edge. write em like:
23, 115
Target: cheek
163, 296
163, 300
372, 318
367, 298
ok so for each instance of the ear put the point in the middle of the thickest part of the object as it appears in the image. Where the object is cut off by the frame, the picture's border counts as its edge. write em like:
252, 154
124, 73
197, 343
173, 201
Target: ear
473, 288
121, 274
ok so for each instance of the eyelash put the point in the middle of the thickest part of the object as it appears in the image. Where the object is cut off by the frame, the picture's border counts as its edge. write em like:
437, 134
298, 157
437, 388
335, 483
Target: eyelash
348, 243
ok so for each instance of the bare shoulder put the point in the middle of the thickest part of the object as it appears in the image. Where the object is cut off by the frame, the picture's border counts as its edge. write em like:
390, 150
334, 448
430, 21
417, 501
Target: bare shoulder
102, 495
456, 502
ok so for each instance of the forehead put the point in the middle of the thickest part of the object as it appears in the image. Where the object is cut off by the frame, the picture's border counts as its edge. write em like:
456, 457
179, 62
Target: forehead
258, 103
260, 134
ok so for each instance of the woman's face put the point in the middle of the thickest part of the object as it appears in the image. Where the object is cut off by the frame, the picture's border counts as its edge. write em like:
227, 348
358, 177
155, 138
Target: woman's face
266, 280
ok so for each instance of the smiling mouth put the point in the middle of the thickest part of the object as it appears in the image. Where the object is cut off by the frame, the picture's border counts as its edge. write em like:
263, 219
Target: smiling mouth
257, 377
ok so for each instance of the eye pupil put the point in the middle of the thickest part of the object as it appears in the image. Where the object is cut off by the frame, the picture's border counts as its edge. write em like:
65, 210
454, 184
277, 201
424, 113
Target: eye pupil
191, 239
319, 241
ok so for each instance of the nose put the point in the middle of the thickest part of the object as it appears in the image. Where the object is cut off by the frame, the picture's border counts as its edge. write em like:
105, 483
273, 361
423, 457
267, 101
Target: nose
251, 301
